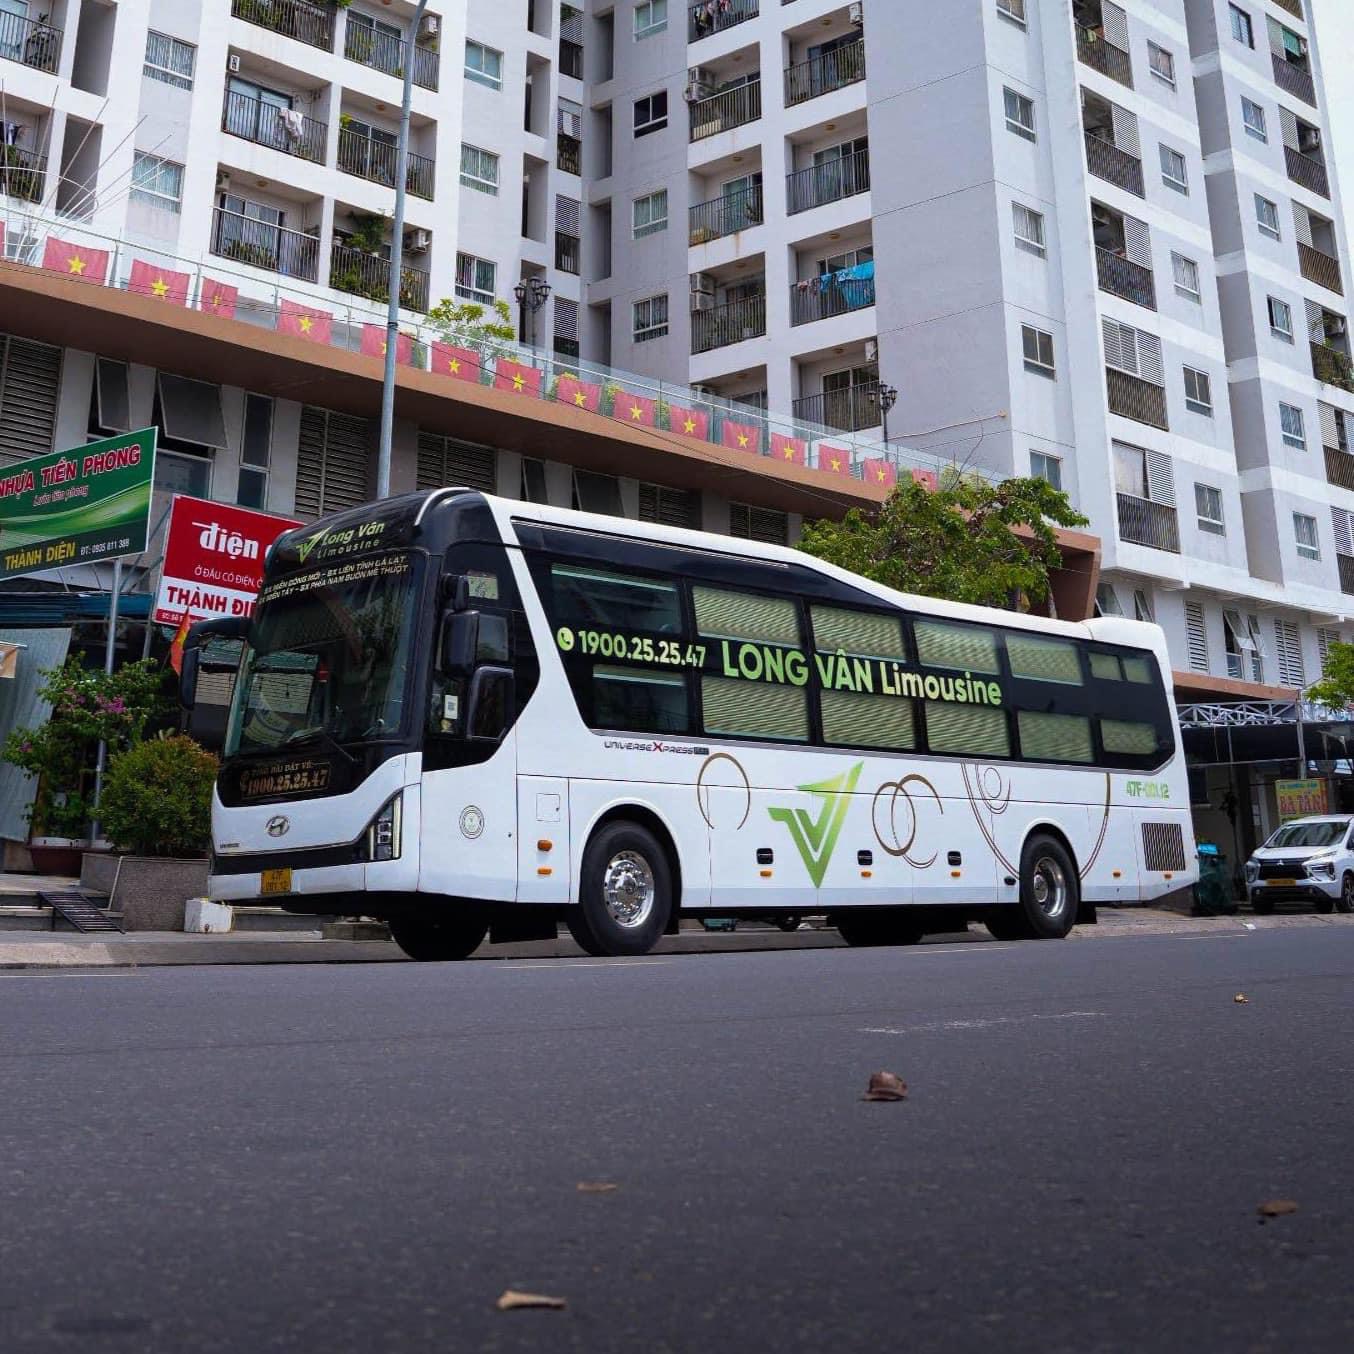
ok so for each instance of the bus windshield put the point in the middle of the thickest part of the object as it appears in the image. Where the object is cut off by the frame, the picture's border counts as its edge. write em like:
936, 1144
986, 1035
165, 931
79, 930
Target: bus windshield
328, 658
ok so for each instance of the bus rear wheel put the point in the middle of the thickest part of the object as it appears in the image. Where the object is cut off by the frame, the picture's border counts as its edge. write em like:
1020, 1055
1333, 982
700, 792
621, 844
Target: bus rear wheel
879, 926
439, 939
625, 893
1049, 894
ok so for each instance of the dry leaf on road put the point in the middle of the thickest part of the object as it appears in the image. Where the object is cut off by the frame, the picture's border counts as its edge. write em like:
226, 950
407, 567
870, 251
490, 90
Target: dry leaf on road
1241, 999
1276, 1208
885, 1086
511, 1300
596, 1187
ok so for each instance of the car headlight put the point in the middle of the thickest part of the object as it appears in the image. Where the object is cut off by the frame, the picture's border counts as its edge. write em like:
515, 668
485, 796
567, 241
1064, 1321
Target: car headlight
1321, 867
1252, 871
384, 832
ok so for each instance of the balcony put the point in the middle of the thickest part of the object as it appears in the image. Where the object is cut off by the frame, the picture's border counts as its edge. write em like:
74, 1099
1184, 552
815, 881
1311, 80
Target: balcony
1142, 522
30, 42
361, 274
848, 411
1307, 170
1122, 277
378, 162
385, 52
568, 153
571, 59
311, 24
1331, 365
266, 124
1345, 564
704, 19
1294, 77
1132, 397
1339, 468
1319, 267
1101, 55
732, 322
820, 298
1107, 161
724, 111
23, 174
260, 244
827, 182
727, 215
566, 252
822, 74
1294, 7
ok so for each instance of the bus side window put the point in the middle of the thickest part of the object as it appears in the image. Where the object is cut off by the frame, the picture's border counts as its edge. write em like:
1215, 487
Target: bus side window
852, 715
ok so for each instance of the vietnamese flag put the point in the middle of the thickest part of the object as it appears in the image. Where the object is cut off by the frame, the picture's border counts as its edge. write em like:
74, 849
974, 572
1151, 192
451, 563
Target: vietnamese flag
882, 474
516, 377
177, 646
374, 343
163, 283
741, 436
581, 394
74, 260
689, 422
928, 479
218, 297
462, 363
635, 410
303, 322
833, 460
789, 450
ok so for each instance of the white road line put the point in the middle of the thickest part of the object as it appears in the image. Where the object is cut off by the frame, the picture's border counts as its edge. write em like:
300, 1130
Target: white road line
584, 963
983, 1024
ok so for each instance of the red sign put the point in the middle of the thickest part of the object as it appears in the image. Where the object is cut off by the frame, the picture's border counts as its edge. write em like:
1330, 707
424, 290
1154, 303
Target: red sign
213, 559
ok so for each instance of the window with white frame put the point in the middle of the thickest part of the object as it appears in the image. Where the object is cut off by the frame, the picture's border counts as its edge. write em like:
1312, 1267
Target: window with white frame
1208, 509
169, 60
483, 65
650, 318
1186, 273
1253, 118
1161, 63
1173, 170
479, 169
651, 113
1304, 533
1267, 217
1142, 606
1293, 425
1012, 9
1038, 350
1029, 229
476, 278
649, 214
1107, 601
157, 182
651, 17
1047, 468
1242, 29
1019, 113
1198, 392
1280, 318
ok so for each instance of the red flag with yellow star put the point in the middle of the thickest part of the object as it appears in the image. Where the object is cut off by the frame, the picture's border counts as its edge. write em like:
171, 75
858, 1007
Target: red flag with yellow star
635, 410
163, 284
75, 260
928, 479
461, 363
833, 460
789, 450
303, 322
879, 472
689, 422
581, 394
177, 645
374, 343
218, 297
516, 378
741, 436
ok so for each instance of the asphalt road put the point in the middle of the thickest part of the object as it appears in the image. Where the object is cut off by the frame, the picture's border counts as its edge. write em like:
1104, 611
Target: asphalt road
362, 1158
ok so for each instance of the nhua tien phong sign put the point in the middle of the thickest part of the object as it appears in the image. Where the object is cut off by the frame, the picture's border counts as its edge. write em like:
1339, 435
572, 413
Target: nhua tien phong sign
213, 559
81, 506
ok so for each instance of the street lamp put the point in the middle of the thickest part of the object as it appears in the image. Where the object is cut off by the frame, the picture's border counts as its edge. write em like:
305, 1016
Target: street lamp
887, 397
530, 292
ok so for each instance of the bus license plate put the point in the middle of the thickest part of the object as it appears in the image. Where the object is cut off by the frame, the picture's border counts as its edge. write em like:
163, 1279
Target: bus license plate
277, 881
1282, 883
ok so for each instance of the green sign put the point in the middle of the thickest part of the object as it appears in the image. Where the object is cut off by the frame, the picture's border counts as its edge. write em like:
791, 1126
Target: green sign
77, 507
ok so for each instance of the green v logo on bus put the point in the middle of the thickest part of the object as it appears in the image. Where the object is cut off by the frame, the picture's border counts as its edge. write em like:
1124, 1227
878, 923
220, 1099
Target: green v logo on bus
303, 550
816, 837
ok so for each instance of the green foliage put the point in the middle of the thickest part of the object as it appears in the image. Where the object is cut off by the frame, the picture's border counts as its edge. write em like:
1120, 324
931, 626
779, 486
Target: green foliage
967, 541
1336, 687
157, 797
469, 322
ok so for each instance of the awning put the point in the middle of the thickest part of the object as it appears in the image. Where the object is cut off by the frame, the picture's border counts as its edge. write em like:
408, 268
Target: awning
65, 608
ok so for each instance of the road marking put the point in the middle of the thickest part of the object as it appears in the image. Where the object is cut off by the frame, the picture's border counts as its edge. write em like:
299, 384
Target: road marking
585, 963
982, 1024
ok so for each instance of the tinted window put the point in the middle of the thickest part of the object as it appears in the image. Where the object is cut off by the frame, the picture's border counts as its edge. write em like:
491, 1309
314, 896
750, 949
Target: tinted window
612, 601
965, 647
739, 615
1044, 660
639, 699
754, 709
855, 719
1121, 736
969, 730
1055, 738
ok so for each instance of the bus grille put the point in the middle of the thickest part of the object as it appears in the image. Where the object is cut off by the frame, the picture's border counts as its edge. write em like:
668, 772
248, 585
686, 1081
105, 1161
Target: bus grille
1163, 846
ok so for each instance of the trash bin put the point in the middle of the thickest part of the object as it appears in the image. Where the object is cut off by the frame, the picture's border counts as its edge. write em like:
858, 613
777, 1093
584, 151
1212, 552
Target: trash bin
1213, 893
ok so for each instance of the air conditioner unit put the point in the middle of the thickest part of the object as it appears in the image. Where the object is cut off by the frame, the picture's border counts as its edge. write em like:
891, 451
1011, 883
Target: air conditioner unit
223, 178
698, 75
1337, 328
699, 84
1310, 139
856, 13
233, 64
417, 241
702, 300
871, 350
703, 283
430, 26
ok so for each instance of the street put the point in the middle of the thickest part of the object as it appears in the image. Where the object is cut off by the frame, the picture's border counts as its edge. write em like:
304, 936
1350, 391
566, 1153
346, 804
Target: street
364, 1157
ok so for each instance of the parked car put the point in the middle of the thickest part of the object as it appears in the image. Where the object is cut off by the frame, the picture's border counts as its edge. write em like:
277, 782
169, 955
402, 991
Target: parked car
1307, 860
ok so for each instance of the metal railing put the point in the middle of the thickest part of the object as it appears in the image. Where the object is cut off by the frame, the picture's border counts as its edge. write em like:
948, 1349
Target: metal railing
1132, 397
1294, 77
849, 410
730, 323
568, 153
1320, 267
1339, 468
1109, 162
1345, 563
823, 73
566, 252
1307, 170
259, 244
722, 112
1094, 49
1122, 277
268, 125
1143, 522
1294, 7
827, 182
385, 52
378, 162
822, 297
1332, 365
23, 173
30, 42
571, 58
361, 274
311, 24
704, 19
725, 215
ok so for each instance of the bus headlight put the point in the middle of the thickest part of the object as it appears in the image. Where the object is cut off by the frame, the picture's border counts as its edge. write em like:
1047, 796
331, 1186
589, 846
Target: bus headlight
383, 836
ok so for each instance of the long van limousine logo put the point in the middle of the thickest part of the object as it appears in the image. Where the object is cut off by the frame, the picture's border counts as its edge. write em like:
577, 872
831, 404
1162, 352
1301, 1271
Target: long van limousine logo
816, 837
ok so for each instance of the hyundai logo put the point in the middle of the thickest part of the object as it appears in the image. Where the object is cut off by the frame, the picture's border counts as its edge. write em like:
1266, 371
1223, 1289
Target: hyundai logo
279, 826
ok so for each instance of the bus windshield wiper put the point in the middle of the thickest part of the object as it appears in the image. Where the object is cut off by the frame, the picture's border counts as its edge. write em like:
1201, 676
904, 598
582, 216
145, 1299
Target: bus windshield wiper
319, 734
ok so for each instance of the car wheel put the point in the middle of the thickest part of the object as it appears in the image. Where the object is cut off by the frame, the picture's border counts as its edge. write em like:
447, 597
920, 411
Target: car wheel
624, 893
1324, 904
870, 926
1345, 902
1049, 888
1261, 905
440, 939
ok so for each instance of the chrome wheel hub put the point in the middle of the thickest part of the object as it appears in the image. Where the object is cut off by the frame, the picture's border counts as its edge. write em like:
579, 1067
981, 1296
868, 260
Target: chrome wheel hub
628, 889
1049, 887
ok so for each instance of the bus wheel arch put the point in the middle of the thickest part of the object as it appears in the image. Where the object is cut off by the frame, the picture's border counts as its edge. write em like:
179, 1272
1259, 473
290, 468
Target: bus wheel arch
647, 818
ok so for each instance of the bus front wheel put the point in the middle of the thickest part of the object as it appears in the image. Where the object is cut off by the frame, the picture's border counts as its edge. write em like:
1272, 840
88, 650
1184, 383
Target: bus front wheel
437, 940
624, 893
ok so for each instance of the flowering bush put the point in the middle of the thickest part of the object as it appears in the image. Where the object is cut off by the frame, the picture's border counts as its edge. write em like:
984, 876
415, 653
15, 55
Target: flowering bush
157, 797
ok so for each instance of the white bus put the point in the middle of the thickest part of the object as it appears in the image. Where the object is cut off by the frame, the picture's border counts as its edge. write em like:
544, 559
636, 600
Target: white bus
472, 716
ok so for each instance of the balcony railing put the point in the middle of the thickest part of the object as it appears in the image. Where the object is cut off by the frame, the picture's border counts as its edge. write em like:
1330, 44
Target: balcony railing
1294, 77
361, 274
827, 182
266, 124
385, 52
30, 42
1146, 523
378, 162
722, 112
1339, 468
725, 215
571, 58
1294, 7
1307, 170
707, 18
1132, 397
311, 24
1106, 57
821, 74
730, 323
1331, 365
1122, 277
23, 173
1345, 563
566, 252
849, 411
568, 153
1107, 161
822, 297
260, 244
1319, 267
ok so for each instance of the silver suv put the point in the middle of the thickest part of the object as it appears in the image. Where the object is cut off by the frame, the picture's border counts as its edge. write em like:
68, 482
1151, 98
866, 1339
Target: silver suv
1307, 859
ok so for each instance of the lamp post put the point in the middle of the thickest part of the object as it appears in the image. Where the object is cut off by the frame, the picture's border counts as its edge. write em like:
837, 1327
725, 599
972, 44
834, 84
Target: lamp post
887, 396
531, 293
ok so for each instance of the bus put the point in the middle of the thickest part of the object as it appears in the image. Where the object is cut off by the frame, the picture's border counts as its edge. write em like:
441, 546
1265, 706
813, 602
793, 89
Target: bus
475, 717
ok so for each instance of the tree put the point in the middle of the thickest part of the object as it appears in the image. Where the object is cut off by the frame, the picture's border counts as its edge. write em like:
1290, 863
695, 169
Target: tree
1336, 687
468, 321
968, 540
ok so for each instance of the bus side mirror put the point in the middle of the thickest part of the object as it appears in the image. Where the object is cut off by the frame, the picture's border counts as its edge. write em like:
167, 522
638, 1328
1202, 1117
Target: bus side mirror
192, 661
456, 591
460, 642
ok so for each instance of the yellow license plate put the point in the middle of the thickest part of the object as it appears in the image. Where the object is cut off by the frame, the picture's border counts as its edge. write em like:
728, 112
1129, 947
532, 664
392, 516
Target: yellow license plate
1282, 883
276, 881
